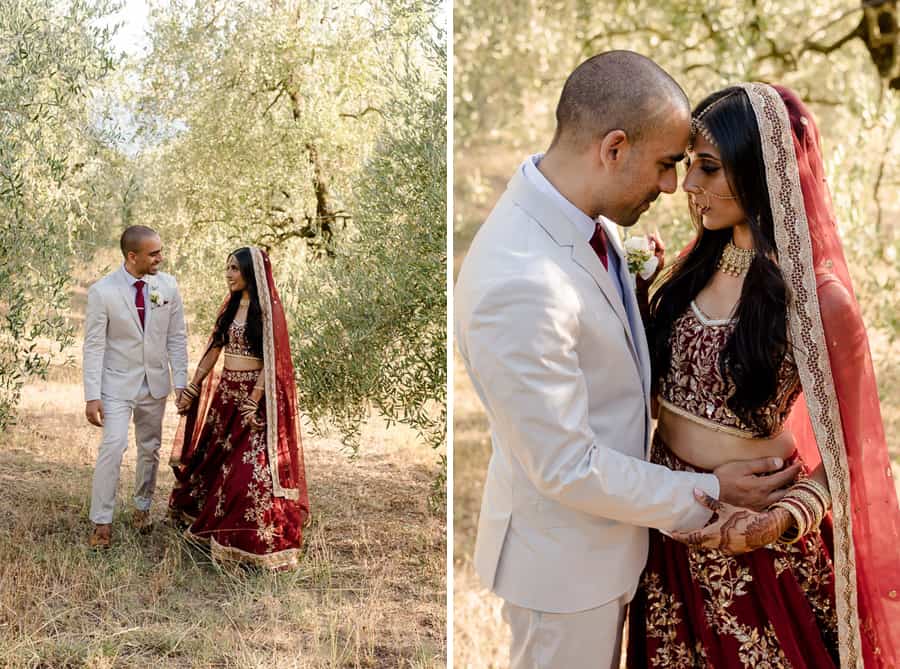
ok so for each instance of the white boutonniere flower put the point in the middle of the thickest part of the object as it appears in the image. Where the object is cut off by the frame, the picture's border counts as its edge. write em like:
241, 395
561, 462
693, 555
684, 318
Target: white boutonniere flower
155, 297
639, 253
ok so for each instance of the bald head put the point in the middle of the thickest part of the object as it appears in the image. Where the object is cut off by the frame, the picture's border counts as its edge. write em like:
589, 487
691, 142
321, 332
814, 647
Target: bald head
615, 90
133, 238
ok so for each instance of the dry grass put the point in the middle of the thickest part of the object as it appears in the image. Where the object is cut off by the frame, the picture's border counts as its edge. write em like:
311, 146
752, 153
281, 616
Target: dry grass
480, 637
370, 591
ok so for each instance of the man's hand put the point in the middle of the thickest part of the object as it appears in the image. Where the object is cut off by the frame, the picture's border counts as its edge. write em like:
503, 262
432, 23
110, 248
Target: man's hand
735, 530
740, 486
93, 411
183, 401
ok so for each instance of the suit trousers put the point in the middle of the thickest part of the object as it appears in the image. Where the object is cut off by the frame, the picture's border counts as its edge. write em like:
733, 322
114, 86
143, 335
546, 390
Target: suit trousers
589, 639
117, 414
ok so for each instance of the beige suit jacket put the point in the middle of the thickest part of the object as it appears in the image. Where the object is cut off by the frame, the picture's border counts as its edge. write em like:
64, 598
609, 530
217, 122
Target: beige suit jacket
118, 353
562, 368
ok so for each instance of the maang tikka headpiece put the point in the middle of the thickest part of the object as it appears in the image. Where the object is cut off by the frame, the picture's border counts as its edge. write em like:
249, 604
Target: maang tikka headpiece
696, 122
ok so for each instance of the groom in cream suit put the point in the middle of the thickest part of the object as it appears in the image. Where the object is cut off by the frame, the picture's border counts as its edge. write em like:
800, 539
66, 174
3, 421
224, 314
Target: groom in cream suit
551, 335
134, 333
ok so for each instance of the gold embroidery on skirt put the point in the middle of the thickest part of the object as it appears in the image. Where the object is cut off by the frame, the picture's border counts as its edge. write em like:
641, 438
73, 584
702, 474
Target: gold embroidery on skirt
723, 579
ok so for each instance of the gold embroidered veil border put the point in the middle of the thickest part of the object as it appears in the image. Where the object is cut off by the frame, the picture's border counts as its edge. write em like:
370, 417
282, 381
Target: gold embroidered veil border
265, 302
810, 351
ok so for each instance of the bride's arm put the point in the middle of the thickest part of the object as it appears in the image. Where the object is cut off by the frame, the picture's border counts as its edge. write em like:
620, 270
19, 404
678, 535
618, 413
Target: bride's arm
250, 406
204, 367
192, 392
259, 388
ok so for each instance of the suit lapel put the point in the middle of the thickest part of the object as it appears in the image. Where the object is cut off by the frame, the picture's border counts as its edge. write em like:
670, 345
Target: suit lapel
638, 343
554, 221
583, 256
148, 307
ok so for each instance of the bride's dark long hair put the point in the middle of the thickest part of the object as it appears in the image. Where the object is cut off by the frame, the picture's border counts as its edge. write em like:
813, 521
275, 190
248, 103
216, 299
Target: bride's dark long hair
756, 350
254, 312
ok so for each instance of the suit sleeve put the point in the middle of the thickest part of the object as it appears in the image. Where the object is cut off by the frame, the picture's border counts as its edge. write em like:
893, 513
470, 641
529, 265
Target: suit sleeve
95, 322
521, 344
176, 341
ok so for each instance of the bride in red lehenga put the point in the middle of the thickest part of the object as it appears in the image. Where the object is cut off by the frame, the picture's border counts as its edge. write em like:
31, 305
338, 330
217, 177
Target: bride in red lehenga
755, 331
237, 457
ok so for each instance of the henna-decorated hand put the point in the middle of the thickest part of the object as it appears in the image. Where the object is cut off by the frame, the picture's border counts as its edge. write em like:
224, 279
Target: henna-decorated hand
735, 530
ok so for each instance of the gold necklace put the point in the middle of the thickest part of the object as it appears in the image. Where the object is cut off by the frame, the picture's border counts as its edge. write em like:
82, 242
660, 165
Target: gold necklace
735, 260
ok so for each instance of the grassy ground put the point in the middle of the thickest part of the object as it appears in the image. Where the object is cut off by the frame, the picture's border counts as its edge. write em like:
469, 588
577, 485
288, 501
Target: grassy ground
370, 591
480, 636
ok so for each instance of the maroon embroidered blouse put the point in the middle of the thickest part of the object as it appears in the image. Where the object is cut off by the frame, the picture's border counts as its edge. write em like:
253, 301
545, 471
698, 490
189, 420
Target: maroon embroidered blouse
238, 344
695, 389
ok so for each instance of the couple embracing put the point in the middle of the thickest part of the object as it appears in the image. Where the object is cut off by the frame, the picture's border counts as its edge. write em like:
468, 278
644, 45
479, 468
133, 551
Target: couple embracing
755, 523
240, 482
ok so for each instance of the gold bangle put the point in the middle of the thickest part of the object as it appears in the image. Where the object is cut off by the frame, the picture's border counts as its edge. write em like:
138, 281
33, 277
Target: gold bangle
812, 503
808, 492
817, 489
800, 521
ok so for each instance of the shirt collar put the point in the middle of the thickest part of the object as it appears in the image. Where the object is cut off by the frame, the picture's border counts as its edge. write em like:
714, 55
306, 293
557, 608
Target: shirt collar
131, 277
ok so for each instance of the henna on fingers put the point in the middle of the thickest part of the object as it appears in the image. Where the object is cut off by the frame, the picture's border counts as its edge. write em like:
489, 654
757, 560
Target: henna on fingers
761, 531
710, 502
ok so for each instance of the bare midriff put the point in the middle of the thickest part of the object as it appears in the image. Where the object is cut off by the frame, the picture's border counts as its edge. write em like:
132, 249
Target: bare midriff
707, 448
241, 363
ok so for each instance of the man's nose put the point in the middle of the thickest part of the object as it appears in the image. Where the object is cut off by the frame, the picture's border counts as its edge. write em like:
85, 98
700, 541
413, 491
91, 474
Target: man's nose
669, 183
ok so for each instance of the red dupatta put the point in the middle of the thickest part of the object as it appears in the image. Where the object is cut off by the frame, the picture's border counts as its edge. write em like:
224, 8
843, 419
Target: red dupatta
838, 418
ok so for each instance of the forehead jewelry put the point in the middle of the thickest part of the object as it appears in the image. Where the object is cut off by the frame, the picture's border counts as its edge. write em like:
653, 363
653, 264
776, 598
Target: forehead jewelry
697, 125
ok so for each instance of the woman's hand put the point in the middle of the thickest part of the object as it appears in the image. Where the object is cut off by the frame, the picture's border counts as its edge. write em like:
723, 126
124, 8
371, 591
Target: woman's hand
248, 410
184, 402
659, 250
734, 530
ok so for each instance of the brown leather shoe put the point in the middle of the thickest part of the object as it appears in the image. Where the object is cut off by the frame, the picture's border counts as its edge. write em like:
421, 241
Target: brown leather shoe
101, 537
140, 521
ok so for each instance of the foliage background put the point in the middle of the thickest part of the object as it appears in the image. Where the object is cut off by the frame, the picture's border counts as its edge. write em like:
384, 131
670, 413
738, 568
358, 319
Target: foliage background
312, 128
510, 65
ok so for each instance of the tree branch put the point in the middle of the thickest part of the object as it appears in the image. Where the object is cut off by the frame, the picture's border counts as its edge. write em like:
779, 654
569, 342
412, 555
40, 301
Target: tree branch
808, 45
277, 98
365, 111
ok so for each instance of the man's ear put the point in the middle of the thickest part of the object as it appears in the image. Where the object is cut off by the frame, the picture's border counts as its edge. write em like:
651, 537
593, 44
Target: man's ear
613, 147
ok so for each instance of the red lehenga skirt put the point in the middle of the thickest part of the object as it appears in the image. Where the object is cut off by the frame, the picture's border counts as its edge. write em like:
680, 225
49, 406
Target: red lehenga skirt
772, 607
224, 492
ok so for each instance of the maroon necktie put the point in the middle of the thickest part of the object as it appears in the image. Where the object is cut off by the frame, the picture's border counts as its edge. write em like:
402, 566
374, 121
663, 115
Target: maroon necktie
598, 243
139, 300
